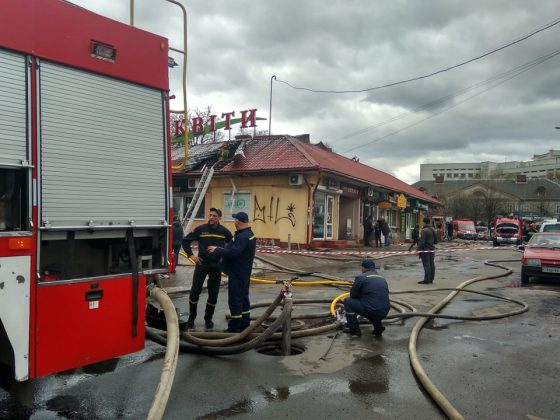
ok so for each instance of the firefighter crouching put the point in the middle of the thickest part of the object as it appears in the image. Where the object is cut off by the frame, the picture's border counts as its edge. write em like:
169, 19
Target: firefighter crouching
237, 259
369, 297
208, 234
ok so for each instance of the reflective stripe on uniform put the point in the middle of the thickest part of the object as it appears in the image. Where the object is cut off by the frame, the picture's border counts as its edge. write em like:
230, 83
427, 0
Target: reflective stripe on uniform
211, 235
246, 313
252, 237
193, 302
235, 316
374, 275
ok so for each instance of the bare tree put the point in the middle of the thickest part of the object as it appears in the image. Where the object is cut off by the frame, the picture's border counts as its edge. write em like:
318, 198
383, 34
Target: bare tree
202, 115
457, 205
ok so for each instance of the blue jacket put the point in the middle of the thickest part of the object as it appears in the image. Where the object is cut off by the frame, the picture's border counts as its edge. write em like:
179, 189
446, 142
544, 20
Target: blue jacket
372, 290
238, 255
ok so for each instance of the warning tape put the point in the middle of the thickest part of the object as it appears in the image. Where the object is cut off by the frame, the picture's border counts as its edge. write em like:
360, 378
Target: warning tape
364, 253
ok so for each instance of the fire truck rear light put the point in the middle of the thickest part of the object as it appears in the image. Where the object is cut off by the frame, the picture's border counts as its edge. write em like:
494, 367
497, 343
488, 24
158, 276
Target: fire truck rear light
103, 51
19, 243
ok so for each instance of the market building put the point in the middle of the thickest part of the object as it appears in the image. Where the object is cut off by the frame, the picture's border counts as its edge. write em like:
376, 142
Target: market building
294, 191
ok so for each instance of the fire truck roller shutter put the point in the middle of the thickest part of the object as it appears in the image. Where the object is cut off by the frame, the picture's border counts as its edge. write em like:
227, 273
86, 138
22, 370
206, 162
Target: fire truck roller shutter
102, 142
13, 109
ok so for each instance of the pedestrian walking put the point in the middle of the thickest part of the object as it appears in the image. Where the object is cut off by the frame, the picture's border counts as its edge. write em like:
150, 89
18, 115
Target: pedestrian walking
369, 297
426, 246
415, 237
449, 231
368, 230
386, 230
377, 234
207, 235
237, 259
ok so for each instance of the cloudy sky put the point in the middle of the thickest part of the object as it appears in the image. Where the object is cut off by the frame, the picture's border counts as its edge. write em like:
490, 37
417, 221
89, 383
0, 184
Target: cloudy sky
504, 106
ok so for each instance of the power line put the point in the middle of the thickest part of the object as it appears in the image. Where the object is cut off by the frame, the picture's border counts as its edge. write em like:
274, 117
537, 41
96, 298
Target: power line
527, 68
548, 26
441, 100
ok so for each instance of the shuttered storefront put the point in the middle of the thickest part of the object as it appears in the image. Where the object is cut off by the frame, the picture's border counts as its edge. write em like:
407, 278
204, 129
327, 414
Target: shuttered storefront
102, 142
13, 109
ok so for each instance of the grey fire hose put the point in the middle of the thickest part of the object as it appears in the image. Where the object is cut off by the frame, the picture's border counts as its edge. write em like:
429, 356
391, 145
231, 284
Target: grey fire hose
240, 348
236, 337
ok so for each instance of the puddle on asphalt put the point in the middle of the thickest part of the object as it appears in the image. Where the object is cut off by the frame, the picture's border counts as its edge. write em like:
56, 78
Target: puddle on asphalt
242, 407
65, 406
372, 378
454, 258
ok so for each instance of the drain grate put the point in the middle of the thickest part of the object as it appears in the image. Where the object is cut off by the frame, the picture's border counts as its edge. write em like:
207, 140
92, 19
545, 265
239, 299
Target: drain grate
275, 349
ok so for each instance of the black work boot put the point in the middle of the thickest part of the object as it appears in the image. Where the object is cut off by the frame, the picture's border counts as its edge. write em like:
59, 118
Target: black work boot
351, 331
190, 323
378, 331
208, 314
352, 326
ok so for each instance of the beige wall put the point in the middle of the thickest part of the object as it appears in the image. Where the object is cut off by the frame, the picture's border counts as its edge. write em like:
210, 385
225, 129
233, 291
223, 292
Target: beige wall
276, 209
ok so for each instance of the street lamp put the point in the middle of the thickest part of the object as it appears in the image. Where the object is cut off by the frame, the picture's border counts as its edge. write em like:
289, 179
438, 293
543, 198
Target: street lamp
270, 108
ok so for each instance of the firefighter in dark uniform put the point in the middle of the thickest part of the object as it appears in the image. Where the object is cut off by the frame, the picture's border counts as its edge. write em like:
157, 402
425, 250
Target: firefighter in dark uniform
208, 234
369, 297
237, 260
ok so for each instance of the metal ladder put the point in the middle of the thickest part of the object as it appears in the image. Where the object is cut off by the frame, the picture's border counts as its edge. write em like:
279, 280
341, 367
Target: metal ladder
197, 199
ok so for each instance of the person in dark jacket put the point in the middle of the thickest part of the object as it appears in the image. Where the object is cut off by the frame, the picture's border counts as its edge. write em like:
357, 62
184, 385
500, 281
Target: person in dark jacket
237, 259
177, 238
377, 234
427, 246
368, 230
386, 230
207, 235
415, 237
369, 297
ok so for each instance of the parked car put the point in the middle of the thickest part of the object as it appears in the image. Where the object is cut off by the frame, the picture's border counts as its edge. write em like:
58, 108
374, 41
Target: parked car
507, 230
482, 233
541, 257
464, 229
550, 226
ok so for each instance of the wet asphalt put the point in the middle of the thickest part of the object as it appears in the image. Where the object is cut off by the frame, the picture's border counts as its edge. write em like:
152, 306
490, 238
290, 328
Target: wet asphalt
495, 369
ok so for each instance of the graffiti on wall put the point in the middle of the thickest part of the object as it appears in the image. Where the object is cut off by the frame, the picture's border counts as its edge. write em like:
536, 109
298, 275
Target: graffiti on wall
273, 214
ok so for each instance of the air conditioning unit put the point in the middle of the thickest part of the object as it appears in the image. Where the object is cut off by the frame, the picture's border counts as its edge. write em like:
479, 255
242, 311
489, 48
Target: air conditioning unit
193, 183
296, 179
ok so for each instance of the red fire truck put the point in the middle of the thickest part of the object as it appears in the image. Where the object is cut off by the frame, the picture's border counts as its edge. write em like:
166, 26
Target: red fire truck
85, 184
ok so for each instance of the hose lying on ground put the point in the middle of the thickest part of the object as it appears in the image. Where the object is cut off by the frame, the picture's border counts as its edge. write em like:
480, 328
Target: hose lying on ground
240, 348
163, 390
428, 385
430, 388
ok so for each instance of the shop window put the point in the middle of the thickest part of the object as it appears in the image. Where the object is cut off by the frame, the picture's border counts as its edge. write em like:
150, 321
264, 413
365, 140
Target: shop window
201, 210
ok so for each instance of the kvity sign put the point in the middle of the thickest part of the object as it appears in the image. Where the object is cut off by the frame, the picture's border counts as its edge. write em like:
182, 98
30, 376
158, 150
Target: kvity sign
248, 120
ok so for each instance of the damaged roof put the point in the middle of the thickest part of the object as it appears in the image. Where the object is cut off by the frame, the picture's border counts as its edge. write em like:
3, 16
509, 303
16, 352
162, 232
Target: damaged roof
290, 154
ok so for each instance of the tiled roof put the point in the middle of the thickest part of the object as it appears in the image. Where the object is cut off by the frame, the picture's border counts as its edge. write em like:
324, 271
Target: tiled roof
285, 153
344, 166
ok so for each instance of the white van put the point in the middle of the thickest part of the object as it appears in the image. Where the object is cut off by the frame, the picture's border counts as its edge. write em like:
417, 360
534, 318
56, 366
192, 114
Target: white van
550, 226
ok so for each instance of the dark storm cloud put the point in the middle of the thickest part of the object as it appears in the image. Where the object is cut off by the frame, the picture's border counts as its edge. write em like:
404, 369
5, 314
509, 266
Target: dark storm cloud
235, 46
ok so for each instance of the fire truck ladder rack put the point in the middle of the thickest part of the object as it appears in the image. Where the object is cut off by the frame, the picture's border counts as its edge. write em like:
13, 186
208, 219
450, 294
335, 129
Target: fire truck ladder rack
196, 201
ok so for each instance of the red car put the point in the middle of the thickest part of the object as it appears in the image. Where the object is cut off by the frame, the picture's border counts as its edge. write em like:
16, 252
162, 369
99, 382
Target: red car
541, 257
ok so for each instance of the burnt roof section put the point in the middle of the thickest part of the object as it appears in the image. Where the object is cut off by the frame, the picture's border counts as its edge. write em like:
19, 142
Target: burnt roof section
276, 154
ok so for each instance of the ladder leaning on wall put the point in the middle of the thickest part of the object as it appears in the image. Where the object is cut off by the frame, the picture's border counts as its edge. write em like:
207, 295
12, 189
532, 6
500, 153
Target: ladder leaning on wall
197, 199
